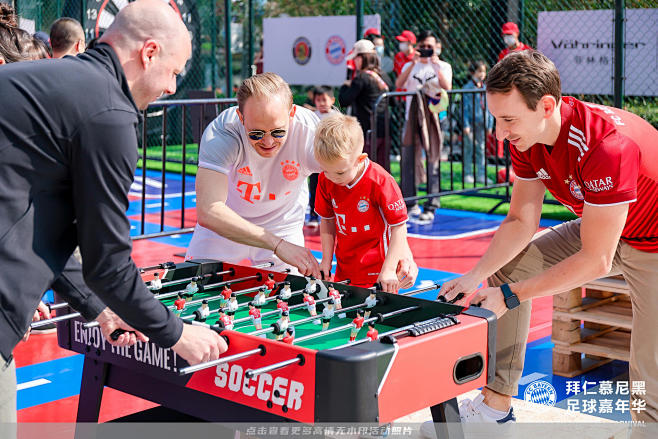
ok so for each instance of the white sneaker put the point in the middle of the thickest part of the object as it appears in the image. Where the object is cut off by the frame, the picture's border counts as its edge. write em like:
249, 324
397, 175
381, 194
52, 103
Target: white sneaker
470, 411
426, 216
414, 210
468, 179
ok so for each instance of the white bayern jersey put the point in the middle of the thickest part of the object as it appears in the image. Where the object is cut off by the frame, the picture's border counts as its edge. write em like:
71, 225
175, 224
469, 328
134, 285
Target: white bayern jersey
270, 192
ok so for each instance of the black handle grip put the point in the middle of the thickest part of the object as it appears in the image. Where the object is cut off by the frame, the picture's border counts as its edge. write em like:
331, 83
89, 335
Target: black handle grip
117, 332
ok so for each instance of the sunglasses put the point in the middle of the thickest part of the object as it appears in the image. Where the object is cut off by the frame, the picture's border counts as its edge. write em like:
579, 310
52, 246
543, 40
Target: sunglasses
259, 134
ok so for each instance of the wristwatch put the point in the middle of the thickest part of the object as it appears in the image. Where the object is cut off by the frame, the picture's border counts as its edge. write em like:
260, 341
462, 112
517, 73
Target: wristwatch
511, 299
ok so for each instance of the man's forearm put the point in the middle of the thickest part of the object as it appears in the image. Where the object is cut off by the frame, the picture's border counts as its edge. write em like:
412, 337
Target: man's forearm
570, 273
222, 220
402, 79
510, 239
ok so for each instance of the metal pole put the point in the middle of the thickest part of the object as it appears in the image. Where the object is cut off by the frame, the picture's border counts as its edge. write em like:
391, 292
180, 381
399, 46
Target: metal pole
227, 47
250, 39
359, 19
213, 51
620, 23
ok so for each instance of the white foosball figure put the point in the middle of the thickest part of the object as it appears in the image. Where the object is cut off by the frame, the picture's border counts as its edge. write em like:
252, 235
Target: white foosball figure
327, 314
370, 302
202, 313
285, 292
156, 283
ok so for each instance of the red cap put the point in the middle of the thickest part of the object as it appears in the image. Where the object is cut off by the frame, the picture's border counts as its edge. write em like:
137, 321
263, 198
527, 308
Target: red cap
510, 28
371, 31
407, 35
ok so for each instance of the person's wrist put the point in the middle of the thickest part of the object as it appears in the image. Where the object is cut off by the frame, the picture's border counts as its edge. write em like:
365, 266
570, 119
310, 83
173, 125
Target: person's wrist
276, 246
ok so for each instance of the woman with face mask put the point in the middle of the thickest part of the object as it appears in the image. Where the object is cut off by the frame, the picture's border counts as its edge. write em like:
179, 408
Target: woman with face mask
510, 34
407, 41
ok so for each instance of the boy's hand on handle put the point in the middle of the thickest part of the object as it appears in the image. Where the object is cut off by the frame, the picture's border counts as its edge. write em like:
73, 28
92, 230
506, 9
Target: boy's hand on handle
198, 344
325, 270
389, 281
407, 272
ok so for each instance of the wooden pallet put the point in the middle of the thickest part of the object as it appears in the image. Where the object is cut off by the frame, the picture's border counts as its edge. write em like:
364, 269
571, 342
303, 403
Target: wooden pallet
606, 311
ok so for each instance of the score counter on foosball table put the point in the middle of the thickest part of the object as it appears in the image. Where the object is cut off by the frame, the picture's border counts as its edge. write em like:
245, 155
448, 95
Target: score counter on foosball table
299, 349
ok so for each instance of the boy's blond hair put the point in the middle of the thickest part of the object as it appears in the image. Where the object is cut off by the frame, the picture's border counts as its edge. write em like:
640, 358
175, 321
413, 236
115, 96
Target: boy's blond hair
263, 85
338, 136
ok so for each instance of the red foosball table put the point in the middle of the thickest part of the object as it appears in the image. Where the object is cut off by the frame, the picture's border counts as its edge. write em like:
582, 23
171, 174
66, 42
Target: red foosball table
405, 354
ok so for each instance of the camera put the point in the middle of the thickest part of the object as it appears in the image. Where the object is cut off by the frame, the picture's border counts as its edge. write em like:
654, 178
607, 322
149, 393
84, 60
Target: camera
426, 53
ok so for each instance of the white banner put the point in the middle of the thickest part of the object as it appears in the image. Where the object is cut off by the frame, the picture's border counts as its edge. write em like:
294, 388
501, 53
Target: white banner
311, 50
581, 44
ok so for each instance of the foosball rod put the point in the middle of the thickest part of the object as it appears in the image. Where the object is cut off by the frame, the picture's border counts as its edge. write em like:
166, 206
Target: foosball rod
162, 266
278, 311
191, 369
381, 318
45, 322
250, 373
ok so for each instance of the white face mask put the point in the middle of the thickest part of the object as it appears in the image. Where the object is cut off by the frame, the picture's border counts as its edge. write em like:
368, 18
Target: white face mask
476, 79
437, 51
379, 50
510, 40
403, 46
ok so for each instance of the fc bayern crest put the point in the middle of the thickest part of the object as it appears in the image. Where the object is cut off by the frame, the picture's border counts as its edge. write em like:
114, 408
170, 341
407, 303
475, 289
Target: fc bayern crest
290, 170
540, 392
335, 49
575, 190
363, 205
301, 51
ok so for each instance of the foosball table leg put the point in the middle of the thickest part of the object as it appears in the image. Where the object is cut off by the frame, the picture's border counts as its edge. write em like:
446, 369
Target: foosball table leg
446, 420
94, 376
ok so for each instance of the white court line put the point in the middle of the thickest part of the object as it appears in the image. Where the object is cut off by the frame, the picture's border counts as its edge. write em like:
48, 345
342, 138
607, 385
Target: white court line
156, 196
457, 236
33, 383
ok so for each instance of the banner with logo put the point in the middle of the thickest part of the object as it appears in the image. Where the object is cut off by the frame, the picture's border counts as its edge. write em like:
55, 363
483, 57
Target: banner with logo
581, 44
311, 50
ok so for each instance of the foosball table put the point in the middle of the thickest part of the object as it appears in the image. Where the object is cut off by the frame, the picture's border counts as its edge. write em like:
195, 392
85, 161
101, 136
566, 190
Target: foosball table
298, 349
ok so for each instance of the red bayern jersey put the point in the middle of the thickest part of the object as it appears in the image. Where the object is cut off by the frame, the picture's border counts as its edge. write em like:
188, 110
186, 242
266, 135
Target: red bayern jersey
364, 213
310, 301
254, 313
270, 284
372, 334
603, 156
283, 306
400, 60
227, 293
358, 322
180, 304
288, 339
226, 320
506, 51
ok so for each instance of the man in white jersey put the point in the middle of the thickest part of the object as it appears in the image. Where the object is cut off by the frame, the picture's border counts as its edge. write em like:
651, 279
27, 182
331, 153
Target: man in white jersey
251, 185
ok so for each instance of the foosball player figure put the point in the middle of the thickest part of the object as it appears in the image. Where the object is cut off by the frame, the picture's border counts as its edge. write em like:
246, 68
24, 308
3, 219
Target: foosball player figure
259, 298
285, 292
358, 324
309, 300
270, 284
254, 314
156, 283
372, 332
327, 314
370, 302
192, 288
226, 295
202, 313
226, 320
179, 304
232, 306
281, 325
335, 295
290, 335
311, 286
281, 304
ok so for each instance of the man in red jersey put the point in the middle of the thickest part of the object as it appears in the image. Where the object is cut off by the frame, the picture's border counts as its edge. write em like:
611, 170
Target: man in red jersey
600, 162
510, 32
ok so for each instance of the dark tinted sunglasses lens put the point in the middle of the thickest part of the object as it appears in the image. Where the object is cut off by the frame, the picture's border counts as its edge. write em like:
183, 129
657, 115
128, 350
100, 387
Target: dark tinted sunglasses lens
256, 135
278, 133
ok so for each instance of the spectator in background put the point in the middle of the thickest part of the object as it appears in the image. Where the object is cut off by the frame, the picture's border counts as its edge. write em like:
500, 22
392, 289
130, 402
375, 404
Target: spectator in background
478, 123
15, 43
407, 41
309, 101
385, 62
258, 59
45, 39
362, 92
324, 100
434, 77
510, 33
67, 37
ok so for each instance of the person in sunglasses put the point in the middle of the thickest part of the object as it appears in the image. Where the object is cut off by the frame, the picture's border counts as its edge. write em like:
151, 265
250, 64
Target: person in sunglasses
251, 186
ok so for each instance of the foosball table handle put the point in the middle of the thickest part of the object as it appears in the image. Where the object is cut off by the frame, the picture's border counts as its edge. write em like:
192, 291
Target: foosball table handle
118, 332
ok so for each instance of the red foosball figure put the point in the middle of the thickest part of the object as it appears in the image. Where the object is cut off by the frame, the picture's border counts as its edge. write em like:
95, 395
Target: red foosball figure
358, 324
269, 283
179, 304
372, 332
226, 295
254, 314
226, 320
281, 304
335, 295
290, 337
